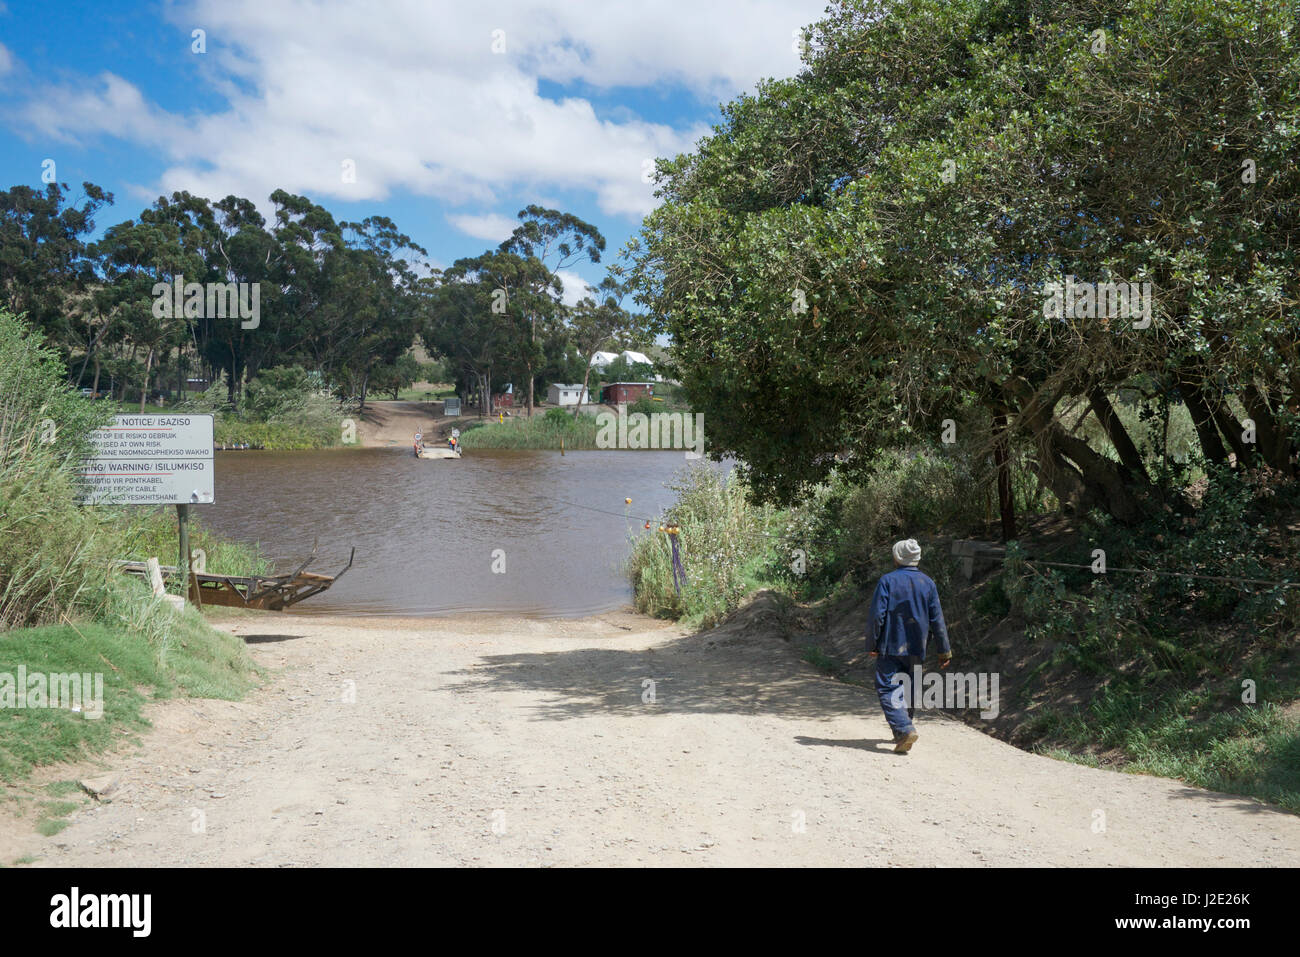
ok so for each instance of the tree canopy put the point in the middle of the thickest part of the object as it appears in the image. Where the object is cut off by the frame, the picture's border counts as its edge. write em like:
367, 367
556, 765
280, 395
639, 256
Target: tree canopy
867, 249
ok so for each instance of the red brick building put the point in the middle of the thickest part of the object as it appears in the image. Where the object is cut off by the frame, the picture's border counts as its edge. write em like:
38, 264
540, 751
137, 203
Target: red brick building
618, 393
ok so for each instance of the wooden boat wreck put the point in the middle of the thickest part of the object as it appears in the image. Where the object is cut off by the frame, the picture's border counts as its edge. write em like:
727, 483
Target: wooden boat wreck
267, 592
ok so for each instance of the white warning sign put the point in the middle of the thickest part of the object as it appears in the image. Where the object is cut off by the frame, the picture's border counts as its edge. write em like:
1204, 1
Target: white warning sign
151, 460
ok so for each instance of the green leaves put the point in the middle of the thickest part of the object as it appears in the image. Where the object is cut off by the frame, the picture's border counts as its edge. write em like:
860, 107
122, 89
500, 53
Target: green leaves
1059, 160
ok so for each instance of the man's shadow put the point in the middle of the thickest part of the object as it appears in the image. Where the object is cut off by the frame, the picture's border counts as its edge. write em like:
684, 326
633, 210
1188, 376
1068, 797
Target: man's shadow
879, 745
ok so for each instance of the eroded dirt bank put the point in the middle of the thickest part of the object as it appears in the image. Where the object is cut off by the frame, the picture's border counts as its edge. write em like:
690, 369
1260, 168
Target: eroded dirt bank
500, 741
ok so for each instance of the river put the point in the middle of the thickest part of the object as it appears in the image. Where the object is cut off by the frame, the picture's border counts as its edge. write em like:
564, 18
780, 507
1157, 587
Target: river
428, 533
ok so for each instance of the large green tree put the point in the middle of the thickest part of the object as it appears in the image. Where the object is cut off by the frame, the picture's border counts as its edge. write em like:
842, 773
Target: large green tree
45, 260
552, 241
865, 249
484, 315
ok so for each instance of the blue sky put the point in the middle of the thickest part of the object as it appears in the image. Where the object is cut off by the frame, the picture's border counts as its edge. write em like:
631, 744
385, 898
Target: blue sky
454, 116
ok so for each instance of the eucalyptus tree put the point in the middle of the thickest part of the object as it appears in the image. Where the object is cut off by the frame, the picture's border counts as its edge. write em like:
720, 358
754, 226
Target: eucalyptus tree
553, 241
44, 256
381, 287
484, 315
167, 244
317, 283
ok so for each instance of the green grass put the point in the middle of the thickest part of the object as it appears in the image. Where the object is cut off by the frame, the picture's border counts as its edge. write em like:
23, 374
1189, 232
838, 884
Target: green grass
299, 432
423, 392
820, 660
1188, 734
148, 652
54, 816
543, 431
50, 826
722, 546
153, 534
318, 426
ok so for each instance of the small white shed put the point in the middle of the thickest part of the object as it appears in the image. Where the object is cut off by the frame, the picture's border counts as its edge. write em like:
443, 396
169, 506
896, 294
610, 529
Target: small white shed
560, 394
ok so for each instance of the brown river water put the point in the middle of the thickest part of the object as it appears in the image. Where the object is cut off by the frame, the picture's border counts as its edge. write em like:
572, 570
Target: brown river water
427, 531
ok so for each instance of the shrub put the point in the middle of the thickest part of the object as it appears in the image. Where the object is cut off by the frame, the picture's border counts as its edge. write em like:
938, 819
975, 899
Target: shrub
544, 431
283, 409
277, 393
51, 549
723, 543
845, 529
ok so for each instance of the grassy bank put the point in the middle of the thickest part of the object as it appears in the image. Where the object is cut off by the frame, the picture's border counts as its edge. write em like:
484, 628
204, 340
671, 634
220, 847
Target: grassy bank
546, 430
725, 545
1199, 734
322, 431
316, 424
63, 609
153, 534
140, 649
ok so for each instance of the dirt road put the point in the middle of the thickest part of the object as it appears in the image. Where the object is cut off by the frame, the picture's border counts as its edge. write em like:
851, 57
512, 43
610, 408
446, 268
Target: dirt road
513, 742
390, 423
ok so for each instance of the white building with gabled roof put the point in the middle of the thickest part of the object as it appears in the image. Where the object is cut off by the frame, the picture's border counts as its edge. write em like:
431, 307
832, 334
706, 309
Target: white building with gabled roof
601, 360
561, 394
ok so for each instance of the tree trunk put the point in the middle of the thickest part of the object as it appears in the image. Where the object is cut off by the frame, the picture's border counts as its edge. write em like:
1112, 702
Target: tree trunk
81, 374
1118, 435
1002, 457
144, 388
1270, 440
1203, 420
1105, 485
577, 409
1231, 429
532, 335
1080, 477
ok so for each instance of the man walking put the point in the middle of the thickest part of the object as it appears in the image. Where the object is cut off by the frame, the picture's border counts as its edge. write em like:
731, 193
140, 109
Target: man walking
904, 610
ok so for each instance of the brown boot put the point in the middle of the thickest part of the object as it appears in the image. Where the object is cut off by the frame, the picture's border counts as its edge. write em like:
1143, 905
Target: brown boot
904, 742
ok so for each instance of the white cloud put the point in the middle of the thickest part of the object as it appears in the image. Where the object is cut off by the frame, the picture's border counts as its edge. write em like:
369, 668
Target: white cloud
62, 113
489, 226
575, 287
412, 94
6, 58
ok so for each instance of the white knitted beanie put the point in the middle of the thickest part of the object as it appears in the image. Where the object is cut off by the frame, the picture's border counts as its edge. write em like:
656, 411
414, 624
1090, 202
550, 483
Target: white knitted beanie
907, 552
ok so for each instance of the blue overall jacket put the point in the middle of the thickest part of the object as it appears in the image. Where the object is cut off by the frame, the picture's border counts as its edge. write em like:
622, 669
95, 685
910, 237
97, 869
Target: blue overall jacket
904, 610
